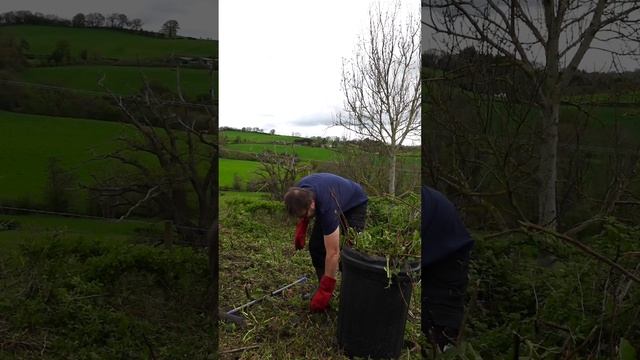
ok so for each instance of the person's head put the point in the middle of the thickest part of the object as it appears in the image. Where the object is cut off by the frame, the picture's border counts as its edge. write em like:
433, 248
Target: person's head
299, 202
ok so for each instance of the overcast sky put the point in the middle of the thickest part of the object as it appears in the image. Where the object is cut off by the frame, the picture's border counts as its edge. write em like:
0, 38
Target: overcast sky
281, 61
594, 60
197, 18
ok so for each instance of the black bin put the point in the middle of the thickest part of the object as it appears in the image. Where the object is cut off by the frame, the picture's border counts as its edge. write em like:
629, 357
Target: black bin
372, 315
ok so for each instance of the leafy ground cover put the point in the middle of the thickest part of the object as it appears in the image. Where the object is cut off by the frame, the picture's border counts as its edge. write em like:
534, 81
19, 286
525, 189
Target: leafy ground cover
257, 257
68, 294
538, 297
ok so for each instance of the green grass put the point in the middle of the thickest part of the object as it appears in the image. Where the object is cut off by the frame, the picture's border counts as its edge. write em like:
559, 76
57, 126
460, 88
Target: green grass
243, 168
233, 195
36, 226
108, 43
256, 138
124, 80
256, 257
632, 97
28, 141
303, 152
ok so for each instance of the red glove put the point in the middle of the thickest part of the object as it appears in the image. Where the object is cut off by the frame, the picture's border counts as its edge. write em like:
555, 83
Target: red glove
320, 300
301, 233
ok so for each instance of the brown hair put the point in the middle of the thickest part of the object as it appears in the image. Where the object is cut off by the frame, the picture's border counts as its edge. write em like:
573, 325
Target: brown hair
297, 201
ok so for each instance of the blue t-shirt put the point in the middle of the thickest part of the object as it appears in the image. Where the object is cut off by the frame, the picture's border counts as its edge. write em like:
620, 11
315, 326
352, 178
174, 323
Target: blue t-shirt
348, 195
443, 232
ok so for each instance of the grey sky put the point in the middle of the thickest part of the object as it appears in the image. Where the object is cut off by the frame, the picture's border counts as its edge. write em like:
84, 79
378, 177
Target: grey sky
594, 60
197, 18
281, 62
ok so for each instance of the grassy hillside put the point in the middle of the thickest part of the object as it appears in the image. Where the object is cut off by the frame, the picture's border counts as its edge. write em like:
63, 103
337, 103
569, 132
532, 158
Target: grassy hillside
108, 43
256, 138
28, 141
120, 79
303, 152
229, 168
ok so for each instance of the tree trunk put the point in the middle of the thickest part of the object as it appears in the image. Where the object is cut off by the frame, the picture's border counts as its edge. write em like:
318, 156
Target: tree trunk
392, 173
547, 172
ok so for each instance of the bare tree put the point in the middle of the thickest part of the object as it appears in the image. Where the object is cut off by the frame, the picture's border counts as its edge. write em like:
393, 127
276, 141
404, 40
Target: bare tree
95, 20
170, 28
560, 32
185, 161
123, 21
136, 24
278, 172
381, 83
78, 20
112, 20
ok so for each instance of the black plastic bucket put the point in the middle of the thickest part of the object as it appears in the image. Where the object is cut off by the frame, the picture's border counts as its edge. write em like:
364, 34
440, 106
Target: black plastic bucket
372, 315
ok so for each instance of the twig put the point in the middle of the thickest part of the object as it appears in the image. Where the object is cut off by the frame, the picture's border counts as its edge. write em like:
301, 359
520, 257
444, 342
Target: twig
139, 202
239, 349
584, 248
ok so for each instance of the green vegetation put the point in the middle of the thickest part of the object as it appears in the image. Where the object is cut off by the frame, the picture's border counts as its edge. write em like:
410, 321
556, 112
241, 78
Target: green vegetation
255, 138
393, 229
30, 140
67, 296
242, 168
256, 239
303, 152
106, 43
125, 80
551, 296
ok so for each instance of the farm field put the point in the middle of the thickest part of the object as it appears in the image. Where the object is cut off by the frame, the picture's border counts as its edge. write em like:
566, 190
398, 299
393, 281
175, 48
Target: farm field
108, 43
123, 80
229, 168
303, 152
256, 138
30, 140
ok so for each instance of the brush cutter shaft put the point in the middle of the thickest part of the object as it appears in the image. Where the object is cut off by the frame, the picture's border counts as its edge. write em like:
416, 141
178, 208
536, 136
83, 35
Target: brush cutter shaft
275, 292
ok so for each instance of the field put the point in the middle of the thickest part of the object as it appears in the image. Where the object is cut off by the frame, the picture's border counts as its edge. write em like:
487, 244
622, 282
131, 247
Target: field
108, 43
256, 138
30, 140
124, 80
230, 168
303, 152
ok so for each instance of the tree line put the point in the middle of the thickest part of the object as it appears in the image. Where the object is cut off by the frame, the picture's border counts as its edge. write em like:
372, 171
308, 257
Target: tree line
90, 20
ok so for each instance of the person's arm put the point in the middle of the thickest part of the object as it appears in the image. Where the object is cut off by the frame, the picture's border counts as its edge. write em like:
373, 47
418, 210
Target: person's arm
332, 247
320, 300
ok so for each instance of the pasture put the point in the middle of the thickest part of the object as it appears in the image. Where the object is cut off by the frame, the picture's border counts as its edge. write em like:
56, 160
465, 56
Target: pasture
108, 43
122, 80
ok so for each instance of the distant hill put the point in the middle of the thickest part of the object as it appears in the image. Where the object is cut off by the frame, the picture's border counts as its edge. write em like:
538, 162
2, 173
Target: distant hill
108, 43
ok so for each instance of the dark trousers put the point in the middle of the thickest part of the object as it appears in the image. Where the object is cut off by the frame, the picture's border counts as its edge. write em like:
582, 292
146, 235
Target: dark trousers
444, 286
355, 218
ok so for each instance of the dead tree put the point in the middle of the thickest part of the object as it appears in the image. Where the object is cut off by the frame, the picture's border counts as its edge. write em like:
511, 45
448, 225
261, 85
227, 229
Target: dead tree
560, 32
